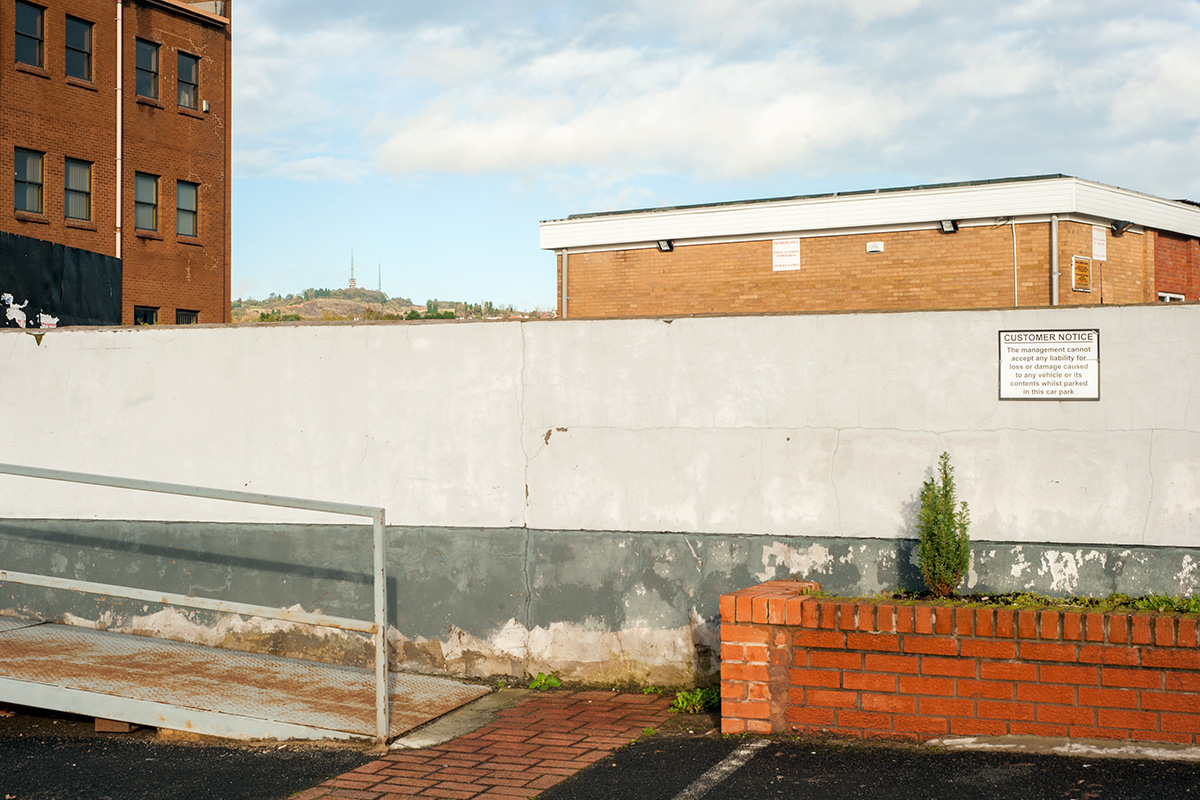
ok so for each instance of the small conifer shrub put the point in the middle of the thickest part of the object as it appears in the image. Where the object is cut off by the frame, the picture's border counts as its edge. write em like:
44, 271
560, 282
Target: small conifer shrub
944, 548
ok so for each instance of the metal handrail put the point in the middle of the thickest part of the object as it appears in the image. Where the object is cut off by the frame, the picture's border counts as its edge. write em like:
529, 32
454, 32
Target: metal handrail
377, 627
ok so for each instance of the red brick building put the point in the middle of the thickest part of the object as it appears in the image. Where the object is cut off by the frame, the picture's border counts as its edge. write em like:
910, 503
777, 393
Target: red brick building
114, 116
1038, 241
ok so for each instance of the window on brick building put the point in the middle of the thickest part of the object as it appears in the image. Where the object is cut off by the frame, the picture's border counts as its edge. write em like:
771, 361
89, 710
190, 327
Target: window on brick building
77, 189
146, 73
186, 317
145, 202
1170, 297
27, 186
145, 315
31, 40
186, 208
79, 49
188, 81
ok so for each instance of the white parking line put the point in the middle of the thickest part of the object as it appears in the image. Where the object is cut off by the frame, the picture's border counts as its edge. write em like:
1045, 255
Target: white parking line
731, 764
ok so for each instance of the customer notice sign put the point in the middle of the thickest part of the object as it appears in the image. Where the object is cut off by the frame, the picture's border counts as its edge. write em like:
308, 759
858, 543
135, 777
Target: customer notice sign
1050, 365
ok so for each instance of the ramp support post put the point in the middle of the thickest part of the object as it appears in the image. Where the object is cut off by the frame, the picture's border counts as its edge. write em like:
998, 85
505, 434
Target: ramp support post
381, 626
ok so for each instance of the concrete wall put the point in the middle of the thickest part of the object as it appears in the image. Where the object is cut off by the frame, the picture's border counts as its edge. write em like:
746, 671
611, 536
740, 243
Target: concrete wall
577, 495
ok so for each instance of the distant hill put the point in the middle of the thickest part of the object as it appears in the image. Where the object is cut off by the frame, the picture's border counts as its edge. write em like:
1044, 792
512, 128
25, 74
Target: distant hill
361, 304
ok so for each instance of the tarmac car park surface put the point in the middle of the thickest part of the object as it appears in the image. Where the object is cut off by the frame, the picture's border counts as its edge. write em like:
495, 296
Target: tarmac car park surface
45, 756
49, 756
676, 767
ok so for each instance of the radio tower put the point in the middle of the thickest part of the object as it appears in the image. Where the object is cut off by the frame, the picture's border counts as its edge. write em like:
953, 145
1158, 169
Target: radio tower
353, 283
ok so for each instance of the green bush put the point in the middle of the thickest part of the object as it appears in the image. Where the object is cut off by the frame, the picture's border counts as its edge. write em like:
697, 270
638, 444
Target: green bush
944, 549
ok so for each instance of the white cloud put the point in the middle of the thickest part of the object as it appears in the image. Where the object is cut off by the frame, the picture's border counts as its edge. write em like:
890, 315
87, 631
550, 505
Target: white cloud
872, 11
1165, 91
714, 89
641, 110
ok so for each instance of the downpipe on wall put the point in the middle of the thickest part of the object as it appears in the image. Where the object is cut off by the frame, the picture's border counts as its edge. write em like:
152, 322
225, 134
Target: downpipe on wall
1053, 259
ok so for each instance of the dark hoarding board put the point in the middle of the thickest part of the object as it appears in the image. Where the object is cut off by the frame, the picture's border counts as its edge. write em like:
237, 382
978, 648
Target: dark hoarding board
45, 285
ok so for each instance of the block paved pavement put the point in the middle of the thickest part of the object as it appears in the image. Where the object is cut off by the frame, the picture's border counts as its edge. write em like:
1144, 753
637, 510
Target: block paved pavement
528, 748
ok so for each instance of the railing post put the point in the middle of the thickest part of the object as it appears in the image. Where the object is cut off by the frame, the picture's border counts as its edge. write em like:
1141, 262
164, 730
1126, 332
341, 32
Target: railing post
381, 626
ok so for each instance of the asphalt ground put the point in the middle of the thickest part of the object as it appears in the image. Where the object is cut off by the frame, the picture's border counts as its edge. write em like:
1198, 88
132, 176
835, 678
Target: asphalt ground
46, 756
50, 756
741, 768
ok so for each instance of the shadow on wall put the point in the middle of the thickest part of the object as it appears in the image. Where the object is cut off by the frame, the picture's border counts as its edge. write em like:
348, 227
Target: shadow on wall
908, 571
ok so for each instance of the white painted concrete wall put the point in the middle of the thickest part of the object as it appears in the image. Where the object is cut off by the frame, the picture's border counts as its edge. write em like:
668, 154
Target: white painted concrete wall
785, 425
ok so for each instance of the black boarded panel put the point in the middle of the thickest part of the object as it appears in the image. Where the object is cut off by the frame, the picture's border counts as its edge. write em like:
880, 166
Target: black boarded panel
90, 288
72, 286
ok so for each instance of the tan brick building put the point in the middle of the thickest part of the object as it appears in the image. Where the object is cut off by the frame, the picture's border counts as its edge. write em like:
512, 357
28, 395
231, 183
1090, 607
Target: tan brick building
1037, 241
114, 117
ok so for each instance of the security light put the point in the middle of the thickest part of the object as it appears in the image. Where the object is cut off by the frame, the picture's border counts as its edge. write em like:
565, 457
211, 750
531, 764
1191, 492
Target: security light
1119, 226
949, 226
665, 245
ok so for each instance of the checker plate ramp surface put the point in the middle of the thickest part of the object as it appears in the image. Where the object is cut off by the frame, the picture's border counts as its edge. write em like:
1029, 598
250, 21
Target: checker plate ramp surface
208, 690
12, 623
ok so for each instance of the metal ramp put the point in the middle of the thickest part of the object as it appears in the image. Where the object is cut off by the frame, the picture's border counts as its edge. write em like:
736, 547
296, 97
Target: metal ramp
208, 690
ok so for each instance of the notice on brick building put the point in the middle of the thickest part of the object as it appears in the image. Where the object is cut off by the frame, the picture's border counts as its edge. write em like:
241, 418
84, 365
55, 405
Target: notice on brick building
1050, 365
785, 254
1099, 243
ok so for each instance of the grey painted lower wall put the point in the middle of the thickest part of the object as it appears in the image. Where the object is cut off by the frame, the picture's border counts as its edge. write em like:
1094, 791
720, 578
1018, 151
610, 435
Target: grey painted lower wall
593, 606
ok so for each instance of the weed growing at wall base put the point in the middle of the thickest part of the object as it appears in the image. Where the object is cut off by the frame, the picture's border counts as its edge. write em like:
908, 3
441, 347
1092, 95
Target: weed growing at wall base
544, 681
696, 701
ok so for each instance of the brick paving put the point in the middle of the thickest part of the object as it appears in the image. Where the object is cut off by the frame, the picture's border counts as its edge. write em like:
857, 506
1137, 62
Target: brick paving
528, 748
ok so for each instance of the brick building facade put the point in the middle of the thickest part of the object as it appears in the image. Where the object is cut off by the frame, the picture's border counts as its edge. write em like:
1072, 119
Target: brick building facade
114, 115
1040, 241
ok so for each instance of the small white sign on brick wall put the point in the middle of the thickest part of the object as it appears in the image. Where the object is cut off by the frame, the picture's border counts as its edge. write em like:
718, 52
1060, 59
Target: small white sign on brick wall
785, 254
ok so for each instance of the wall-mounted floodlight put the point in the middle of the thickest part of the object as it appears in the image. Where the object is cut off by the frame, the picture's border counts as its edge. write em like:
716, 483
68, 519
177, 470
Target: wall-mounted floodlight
665, 245
949, 226
1119, 226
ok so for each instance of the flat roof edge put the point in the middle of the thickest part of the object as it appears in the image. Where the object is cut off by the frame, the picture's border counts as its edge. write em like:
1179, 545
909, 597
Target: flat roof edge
819, 196
1002, 197
190, 10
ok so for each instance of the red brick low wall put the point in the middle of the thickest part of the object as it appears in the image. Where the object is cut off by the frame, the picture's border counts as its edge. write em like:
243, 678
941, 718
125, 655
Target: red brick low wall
791, 663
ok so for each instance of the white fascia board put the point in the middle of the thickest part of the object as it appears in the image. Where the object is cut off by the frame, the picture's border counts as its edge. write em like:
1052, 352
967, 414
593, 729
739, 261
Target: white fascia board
1143, 209
852, 212
874, 230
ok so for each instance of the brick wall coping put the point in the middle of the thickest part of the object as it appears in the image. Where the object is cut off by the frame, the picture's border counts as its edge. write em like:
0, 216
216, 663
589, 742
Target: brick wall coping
792, 662
786, 602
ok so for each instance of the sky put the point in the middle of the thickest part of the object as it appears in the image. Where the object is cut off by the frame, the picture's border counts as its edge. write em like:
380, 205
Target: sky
425, 139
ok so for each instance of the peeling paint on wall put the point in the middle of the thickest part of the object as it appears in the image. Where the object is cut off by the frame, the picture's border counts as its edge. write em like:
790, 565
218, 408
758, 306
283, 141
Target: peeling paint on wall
583, 653
1064, 568
1188, 576
803, 562
13, 312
